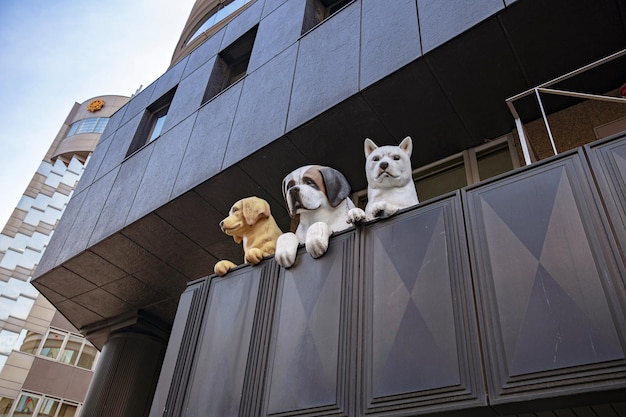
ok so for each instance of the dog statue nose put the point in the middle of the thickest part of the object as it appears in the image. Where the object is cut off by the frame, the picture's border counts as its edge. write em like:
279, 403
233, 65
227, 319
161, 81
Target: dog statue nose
384, 165
222, 224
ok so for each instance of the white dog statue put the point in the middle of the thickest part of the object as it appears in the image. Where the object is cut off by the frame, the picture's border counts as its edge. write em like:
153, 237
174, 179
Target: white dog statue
319, 195
389, 181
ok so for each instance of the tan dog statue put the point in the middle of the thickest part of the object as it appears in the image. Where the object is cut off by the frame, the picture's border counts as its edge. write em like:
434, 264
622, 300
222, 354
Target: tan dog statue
250, 222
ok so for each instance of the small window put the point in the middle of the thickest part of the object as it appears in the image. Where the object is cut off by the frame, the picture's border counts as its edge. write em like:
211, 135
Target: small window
152, 123
5, 406
440, 178
87, 356
319, 10
231, 65
91, 125
220, 12
31, 342
26, 405
52, 345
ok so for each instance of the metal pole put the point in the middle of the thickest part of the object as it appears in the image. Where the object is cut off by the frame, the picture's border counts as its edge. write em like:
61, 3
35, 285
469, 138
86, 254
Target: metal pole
545, 121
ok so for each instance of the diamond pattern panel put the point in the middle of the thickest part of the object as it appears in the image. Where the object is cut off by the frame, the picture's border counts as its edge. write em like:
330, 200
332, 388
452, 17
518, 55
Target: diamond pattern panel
217, 381
550, 300
305, 365
413, 342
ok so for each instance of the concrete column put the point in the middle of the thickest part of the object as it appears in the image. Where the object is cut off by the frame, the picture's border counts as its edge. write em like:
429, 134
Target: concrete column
126, 375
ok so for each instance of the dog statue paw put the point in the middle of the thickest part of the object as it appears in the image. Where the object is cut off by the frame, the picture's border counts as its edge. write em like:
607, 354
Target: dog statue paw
356, 215
250, 222
316, 194
286, 249
222, 267
382, 209
389, 178
316, 242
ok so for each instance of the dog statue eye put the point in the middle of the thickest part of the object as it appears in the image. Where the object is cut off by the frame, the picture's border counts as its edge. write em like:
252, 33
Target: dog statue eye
234, 209
396, 157
376, 158
310, 183
291, 184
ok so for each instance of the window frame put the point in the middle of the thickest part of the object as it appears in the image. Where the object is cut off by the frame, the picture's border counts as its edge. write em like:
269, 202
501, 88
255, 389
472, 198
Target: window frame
153, 114
222, 76
63, 347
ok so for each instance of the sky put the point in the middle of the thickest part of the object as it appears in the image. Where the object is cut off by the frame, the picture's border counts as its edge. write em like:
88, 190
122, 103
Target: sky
54, 53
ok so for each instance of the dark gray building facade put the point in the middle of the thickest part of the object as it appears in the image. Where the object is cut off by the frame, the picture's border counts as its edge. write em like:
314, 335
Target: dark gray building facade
502, 293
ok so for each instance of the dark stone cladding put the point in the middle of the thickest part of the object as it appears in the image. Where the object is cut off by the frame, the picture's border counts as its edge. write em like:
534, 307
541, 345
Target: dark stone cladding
440, 75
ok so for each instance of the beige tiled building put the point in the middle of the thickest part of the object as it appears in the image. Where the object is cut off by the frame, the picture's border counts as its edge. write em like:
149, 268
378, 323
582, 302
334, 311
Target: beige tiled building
45, 364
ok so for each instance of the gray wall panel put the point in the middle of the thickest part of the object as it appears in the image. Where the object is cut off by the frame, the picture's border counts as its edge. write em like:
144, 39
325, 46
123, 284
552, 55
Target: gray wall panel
327, 70
262, 110
545, 276
207, 145
242, 23
50, 256
167, 81
87, 217
160, 174
138, 103
441, 21
277, 32
271, 5
389, 38
188, 97
118, 148
204, 52
92, 167
119, 201
216, 384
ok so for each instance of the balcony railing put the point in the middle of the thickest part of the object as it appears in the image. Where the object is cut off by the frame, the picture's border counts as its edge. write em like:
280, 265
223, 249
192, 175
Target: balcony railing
504, 297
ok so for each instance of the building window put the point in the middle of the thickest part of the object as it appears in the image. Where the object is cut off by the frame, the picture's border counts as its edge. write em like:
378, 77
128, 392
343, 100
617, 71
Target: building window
52, 344
216, 15
152, 123
5, 406
68, 348
319, 10
37, 405
231, 65
91, 125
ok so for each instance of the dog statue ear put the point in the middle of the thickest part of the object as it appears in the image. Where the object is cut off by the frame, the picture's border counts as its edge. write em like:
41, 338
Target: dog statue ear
337, 186
254, 208
369, 146
407, 145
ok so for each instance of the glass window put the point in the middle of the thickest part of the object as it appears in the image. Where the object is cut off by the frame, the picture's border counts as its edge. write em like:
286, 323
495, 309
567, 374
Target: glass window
87, 356
48, 407
152, 123
71, 350
5, 406
319, 10
494, 162
31, 342
216, 15
26, 405
52, 345
90, 125
157, 124
67, 410
440, 179
231, 65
